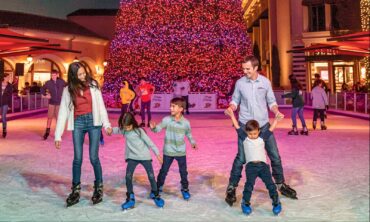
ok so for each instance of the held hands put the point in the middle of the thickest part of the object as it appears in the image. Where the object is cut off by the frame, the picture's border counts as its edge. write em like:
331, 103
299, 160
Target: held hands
279, 116
194, 146
233, 107
57, 144
109, 131
160, 160
229, 111
152, 124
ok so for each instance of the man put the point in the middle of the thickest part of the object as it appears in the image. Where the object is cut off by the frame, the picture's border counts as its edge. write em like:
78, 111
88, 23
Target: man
145, 90
181, 88
253, 93
53, 90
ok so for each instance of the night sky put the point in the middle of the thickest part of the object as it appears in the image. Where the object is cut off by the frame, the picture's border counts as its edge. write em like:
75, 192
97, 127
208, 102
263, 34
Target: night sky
55, 8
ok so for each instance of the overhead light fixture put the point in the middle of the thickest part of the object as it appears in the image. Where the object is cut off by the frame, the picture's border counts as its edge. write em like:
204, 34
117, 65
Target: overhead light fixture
76, 59
29, 58
105, 63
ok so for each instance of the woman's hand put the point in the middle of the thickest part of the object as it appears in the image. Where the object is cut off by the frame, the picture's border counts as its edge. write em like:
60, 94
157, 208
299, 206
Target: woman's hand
57, 144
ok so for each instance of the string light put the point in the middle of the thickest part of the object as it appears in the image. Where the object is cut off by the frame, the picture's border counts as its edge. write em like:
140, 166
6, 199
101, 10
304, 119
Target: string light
365, 15
365, 24
161, 39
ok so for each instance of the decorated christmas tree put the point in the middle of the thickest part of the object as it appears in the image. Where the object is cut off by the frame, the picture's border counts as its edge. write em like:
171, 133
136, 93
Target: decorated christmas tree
162, 39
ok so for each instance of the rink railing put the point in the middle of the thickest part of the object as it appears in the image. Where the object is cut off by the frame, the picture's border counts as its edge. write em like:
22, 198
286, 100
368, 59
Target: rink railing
355, 102
31, 101
346, 101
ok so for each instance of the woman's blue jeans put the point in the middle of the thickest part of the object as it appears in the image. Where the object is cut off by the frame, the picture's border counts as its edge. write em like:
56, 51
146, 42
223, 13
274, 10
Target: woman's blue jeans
4, 110
85, 124
299, 111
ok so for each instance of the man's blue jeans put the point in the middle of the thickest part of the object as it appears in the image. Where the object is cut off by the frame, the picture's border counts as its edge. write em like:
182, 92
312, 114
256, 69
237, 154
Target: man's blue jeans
84, 124
145, 105
272, 153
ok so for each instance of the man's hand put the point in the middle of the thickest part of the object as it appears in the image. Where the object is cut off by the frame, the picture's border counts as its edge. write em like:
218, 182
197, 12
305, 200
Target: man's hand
109, 131
152, 124
229, 111
57, 144
233, 107
279, 116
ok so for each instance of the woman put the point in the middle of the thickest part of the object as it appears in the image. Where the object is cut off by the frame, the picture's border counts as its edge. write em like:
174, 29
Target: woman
83, 107
320, 103
298, 104
6, 91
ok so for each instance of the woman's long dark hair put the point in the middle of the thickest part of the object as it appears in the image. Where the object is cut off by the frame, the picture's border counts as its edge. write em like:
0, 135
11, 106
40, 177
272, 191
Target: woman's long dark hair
128, 119
295, 84
75, 86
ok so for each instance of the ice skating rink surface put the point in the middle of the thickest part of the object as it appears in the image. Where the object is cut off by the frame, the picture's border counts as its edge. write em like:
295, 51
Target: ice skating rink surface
329, 169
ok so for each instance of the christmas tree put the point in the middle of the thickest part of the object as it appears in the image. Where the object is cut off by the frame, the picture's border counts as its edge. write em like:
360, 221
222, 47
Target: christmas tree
162, 39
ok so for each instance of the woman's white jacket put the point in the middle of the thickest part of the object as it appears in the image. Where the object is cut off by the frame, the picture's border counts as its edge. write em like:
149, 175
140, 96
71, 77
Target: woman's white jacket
66, 112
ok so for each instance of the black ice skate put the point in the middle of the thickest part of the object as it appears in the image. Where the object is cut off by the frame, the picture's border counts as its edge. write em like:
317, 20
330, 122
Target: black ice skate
4, 132
294, 131
304, 131
98, 194
46, 135
230, 195
74, 197
287, 191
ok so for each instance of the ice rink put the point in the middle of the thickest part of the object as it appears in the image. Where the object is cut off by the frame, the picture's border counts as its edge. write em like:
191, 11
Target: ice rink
329, 169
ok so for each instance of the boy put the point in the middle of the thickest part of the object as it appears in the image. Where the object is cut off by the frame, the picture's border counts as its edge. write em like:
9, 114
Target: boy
146, 90
174, 144
254, 149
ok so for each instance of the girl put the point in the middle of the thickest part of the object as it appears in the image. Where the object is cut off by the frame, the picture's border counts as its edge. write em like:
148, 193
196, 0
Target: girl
298, 104
319, 103
137, 152
83, 106
6, 91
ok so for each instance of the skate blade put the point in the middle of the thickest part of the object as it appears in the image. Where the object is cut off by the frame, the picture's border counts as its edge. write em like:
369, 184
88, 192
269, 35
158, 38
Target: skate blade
96, 202
71, 204
229, 202
126, 209
248, 215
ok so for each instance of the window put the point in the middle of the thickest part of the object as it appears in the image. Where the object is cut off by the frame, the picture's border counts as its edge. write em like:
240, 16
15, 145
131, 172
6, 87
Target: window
316, 15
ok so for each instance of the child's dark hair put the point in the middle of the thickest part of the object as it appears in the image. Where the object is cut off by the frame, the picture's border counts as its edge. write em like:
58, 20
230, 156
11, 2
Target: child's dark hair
252, 125
178, 101
128, 119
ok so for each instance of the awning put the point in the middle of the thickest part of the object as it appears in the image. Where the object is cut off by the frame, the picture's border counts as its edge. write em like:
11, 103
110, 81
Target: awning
11, 40
35, 50
15, 44
356, 44
358, 36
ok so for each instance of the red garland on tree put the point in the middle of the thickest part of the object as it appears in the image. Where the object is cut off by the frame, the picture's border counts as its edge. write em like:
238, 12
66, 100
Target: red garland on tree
161, 39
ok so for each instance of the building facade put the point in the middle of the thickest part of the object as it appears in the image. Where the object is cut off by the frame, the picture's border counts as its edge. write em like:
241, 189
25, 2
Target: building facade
285, 29
37, 45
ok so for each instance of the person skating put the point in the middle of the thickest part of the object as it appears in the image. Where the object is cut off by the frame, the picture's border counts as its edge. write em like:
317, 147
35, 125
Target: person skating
252, 94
